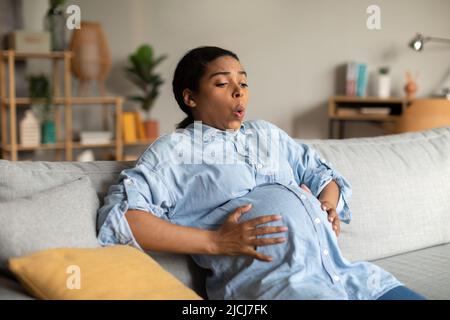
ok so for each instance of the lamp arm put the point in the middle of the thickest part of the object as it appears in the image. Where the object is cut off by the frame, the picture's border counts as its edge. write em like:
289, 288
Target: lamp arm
435, 39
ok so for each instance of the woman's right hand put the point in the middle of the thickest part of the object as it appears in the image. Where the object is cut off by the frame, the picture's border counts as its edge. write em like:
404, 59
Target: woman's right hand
240, 238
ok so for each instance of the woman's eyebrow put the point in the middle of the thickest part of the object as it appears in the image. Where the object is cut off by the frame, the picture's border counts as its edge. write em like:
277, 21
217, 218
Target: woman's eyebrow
225, 73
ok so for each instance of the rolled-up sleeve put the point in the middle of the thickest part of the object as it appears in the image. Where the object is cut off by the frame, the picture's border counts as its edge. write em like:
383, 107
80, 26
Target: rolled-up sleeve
314, 171
139, 188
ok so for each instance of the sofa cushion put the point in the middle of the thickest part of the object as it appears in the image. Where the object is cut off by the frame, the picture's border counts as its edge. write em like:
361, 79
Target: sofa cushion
400, 188
425, 271
24, 178
64, 216
115, 272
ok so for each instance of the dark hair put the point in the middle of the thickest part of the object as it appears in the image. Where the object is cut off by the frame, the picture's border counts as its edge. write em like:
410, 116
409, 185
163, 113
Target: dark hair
188, 73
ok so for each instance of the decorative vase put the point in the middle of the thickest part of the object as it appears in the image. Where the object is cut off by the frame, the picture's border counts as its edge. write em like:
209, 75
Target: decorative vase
29, 132
411, 86
384, 86
151, 129
48, 132
92, 58
55, 23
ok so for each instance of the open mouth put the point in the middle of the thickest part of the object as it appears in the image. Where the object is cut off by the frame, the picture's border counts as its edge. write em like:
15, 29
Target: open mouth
239, 111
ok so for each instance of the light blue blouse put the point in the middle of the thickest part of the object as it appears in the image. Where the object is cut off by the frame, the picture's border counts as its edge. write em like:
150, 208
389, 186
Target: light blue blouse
197, 176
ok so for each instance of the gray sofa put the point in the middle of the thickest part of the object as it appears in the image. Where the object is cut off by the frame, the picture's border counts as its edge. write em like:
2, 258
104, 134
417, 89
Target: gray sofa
400, 205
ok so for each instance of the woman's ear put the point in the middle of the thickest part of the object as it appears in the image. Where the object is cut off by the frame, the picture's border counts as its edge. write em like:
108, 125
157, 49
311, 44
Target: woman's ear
188, 98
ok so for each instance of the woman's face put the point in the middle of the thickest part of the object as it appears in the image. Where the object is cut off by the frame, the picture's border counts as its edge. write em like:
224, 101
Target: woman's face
221, 100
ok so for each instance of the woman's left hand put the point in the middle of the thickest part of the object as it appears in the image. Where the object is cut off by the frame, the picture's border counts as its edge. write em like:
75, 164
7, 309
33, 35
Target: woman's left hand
331, 210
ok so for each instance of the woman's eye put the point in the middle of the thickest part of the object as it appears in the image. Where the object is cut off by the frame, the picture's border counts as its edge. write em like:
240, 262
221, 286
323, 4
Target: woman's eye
221, 84
244, 85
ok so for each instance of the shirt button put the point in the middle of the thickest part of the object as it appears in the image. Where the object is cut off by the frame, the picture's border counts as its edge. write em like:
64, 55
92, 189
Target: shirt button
259, 166
128, 181
302, 197
317, 220
325, 252
336, 278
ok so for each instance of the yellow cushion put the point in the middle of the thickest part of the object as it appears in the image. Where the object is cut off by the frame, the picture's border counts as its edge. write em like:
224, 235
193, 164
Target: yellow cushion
116, 272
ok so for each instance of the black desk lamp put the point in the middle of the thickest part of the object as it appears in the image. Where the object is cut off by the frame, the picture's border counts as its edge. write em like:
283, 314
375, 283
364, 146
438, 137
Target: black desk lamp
419, 40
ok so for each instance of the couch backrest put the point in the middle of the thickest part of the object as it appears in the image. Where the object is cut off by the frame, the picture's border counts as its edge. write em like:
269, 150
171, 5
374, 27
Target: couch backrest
401, 191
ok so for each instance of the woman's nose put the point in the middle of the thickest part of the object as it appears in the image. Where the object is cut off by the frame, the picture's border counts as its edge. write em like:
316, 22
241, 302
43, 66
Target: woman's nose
237, 93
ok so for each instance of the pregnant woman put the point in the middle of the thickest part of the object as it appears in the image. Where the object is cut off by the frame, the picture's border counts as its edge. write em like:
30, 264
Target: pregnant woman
227, 191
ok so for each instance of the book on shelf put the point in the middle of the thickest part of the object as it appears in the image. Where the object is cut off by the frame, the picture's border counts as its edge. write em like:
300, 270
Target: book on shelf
133, 127
356, 79
129, 127
139, 126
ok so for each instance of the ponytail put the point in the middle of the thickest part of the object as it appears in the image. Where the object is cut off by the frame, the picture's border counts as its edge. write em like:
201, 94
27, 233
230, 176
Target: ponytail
186, 121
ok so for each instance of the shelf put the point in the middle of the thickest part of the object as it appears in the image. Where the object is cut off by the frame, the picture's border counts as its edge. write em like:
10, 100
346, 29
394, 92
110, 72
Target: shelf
35, 55
354, 109
76, 145
10, 133
60, 101
364, 117
368, 100
53, 146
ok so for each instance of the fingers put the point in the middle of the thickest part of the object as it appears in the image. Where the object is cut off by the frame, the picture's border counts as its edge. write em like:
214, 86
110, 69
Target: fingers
267, 230
332, 215
336, 226
258, 255
262, 220
238, 212
331, 211
260, 242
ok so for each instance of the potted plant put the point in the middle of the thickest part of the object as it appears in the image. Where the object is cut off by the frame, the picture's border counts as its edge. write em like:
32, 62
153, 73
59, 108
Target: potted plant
142, 73
384, 83
55, 23
40, 95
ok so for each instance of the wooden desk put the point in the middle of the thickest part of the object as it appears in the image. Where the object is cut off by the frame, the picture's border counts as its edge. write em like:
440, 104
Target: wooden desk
424, 114
343, 108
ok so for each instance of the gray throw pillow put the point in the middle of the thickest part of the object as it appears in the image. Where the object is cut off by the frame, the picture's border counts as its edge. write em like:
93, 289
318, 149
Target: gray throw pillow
64, 216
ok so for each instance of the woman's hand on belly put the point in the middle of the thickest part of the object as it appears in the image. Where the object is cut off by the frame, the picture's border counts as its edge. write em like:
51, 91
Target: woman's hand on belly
330, 208
240, 238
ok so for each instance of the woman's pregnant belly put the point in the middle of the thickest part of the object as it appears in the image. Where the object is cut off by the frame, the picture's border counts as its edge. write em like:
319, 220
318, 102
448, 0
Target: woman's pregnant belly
290, 257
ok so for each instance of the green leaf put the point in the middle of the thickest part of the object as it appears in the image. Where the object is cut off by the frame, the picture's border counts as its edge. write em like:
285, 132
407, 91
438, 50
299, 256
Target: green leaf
141, 73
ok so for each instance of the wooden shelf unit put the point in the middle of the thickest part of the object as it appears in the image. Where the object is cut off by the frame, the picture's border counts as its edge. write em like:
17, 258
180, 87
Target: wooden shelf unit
343, 108
9, 103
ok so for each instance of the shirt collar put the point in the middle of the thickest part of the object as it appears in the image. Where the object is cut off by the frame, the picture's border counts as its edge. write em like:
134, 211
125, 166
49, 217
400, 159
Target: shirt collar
209, 132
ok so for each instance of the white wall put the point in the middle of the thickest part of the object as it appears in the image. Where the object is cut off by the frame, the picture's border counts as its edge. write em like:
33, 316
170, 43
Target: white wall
290, 48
